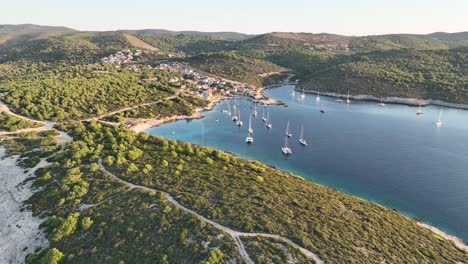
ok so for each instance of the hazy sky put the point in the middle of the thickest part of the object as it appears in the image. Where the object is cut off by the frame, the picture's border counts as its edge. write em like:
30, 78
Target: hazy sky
349, 17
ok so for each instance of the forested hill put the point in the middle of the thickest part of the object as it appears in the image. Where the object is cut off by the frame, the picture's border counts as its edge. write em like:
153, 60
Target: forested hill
432, 66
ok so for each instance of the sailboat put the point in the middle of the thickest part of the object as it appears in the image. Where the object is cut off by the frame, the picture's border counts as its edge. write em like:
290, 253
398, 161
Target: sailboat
293, 93
439, 122
381, 102
286, 150
263, 115
250, 130
419, 112
323, 110
338, 99
301, 138
239, 121
347, 99
254, 113
303, 94
268, 124
287, 132
318, 96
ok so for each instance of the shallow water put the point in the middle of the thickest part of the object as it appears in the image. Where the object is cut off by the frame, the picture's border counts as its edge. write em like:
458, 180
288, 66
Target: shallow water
384, 154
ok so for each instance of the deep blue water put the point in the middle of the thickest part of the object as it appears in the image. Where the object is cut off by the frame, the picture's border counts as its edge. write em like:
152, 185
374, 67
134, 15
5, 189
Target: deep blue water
384, 154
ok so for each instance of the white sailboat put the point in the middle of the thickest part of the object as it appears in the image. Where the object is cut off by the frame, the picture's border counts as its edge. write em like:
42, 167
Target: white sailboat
254, 113
239, 121
302, 94
301, 138
286, 150
268, 124
347, 99
263, 115
322, 109
318, 96
381, 102
419, 112
287, 132
338, 99
439, 122
250, 130
293, 93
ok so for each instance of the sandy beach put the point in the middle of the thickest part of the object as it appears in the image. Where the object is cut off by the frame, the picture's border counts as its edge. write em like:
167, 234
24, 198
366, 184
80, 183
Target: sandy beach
19, 229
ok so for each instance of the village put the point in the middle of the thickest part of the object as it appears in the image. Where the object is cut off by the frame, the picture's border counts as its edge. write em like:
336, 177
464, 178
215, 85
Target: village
194, 82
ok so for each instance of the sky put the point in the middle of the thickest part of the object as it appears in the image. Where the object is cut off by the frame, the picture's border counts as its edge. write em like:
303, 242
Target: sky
353, 17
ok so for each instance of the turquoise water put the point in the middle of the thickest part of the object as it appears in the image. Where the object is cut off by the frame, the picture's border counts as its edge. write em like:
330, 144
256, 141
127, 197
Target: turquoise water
384, 154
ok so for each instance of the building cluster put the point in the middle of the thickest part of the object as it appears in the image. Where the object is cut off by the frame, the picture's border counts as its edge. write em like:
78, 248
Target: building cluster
204, 85
121, 57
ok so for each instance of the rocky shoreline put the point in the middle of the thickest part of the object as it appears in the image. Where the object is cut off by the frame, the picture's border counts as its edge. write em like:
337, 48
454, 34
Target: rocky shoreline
392, 100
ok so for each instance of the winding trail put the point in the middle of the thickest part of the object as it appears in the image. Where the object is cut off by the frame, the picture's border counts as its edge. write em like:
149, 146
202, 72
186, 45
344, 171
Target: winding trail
233, 233
132, 107
45, 124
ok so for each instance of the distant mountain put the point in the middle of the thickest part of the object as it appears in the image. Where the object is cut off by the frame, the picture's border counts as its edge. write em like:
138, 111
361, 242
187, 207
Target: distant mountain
31, 29
333, 42
169, 33
10, 34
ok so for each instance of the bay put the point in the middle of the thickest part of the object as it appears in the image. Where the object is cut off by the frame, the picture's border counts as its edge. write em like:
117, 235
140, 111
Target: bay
387, 155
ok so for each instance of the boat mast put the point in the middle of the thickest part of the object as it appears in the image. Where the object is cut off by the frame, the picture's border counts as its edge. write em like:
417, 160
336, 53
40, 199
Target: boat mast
302, 132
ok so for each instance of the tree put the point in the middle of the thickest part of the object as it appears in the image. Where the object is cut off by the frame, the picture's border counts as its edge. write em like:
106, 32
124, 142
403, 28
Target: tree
52, 256
86, 223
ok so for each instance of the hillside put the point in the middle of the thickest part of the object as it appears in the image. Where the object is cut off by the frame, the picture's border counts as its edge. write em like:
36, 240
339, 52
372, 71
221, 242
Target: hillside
416, 74
138, 43
169, 33
234, 66
10, 34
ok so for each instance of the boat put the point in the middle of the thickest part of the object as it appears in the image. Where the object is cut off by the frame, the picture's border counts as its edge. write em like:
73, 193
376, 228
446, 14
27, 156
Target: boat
250, 130
239, 121
347, 99
217, 120
286, 150
301, 138
381, 102
419, 112
268, 124
287, 132
318, 96
323, 110
338, 99
302, 94
254, 113
263, 115
249, 139
293, 93
439, 122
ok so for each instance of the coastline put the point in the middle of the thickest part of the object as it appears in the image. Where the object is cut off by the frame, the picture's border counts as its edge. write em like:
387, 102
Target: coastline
392, 99
140, 125
260, 96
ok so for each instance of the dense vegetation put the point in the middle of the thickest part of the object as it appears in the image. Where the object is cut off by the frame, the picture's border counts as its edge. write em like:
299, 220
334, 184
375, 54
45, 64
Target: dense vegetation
75, 48
419, 74
12, 123
70, 93
234, 66
182, 105
243, 195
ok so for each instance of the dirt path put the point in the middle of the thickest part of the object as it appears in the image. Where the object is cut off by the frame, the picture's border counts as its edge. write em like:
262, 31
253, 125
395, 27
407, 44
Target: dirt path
233, 233
131, 108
